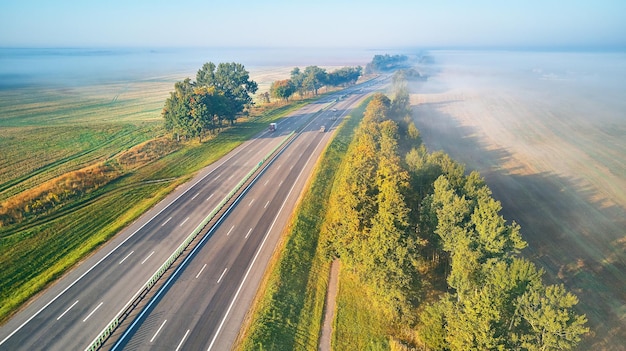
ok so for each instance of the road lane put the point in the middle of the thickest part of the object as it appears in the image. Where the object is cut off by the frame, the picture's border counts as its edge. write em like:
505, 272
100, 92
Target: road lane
200, 308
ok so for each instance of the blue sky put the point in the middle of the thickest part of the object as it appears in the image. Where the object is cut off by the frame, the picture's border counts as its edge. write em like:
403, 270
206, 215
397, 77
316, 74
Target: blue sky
313, 23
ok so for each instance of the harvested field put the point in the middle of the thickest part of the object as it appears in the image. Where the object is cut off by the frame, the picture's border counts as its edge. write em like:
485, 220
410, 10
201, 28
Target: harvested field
548, 133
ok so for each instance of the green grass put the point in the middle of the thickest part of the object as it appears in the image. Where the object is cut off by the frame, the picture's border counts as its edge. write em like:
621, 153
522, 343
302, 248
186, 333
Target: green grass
288, 312
356, 327
35, 253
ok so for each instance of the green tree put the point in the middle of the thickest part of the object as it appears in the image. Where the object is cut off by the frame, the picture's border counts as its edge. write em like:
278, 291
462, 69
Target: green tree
177, 110
233, 81
314, 78
282, 89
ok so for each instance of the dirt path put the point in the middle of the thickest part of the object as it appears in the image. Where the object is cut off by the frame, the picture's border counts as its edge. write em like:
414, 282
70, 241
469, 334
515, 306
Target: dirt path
329, 311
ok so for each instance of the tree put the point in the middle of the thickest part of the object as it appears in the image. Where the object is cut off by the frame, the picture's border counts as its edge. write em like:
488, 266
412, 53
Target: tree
177, 111
314, 78
282, 89
233, 81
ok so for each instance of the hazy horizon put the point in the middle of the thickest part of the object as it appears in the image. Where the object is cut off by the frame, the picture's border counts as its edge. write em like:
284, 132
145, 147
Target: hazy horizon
344, 24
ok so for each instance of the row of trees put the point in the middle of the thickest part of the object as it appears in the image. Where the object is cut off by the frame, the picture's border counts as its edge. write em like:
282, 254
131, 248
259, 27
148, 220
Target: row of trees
311, 79
220, 94
417, 226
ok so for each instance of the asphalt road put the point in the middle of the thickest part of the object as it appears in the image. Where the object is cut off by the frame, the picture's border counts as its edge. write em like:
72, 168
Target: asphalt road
71, 313
204, 306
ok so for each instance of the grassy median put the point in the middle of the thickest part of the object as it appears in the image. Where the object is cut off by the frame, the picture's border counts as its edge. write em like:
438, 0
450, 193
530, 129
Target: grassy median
288, 309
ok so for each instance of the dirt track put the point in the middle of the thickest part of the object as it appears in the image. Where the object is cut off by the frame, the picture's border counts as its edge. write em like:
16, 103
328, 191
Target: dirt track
551, 143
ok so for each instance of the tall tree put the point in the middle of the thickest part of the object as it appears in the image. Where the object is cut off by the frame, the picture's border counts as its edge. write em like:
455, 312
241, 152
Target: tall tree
314, 78
282, 89
233, 81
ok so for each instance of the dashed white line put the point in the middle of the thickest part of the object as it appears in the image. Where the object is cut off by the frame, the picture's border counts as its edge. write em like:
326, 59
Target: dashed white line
218, 177
124, 259
231, 229
281, 183
167, 220
267, 181
195, 196
209, 198
249, 231
203, 267
185, 221
67, 310
278, 167
222, 276
266, 204
231, 177
250, 204
158, 330
92, 312
182, 340
145, 259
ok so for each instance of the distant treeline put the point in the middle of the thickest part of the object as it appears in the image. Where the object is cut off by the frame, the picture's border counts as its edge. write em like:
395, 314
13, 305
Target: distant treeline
312, 79
431, 249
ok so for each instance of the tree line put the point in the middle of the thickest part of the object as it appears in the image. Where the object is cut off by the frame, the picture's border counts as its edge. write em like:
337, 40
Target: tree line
411, 224
311, 79
219, 95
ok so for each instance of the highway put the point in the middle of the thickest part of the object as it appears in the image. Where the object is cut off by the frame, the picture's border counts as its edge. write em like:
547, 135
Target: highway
222, 276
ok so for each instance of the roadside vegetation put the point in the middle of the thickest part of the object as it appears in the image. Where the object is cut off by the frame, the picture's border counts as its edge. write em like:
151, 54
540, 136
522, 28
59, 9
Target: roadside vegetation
427, 261
78, 170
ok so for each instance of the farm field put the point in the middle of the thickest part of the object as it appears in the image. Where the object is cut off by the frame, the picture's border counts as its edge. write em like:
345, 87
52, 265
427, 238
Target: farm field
548, 133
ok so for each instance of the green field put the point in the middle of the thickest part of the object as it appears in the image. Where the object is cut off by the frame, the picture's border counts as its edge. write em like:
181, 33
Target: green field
58, 133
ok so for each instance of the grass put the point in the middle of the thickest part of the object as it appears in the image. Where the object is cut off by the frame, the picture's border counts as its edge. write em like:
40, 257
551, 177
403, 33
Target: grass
36, 252
288, 309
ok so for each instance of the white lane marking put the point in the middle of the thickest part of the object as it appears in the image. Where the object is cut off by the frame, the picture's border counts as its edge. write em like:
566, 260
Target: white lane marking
145, 259
124, 259
195, 196
92, 312
266, 182
231, 177
266, 204
249, 231
56, 297
158, 330
167, 220
218, 176
67, 310
182, 340
256, 255
278, 167
290, 168
209, 198
281, 183
222, 276
231, 229
185, 221
250, 204
203, 267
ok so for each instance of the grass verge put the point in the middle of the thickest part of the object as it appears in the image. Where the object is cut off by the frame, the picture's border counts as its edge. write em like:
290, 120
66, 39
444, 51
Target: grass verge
36, 253
288, 310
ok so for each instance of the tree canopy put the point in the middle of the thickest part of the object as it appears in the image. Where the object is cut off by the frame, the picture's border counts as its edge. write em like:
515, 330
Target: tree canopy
219, 94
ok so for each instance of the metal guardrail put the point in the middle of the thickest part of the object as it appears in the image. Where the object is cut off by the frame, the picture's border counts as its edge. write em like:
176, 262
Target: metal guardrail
114, 323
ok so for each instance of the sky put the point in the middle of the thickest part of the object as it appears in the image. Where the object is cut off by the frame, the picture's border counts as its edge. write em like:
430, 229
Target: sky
313, 23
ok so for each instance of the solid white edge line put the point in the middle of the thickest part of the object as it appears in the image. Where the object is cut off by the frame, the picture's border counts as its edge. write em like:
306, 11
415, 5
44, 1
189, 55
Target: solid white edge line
117, 247
124, 259
203, 267
256, 255
145, 259
158, 330
222, 276
182, 340
92, 312
67, 310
